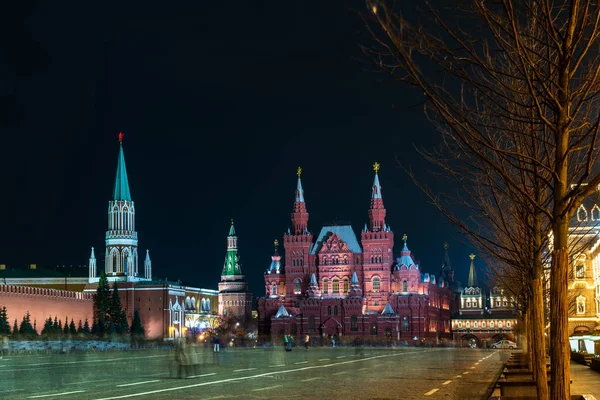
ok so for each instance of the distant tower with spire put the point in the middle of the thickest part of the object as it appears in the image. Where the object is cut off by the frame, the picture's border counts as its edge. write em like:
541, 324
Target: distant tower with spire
121, 255
234, 298
472, 297
297, 244
378, 244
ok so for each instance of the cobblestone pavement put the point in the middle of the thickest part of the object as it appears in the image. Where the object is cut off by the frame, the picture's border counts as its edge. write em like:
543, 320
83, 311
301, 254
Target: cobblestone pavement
324, 373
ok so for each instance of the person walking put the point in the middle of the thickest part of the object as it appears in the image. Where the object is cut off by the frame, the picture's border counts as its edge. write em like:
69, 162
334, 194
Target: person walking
306, 342
216, 344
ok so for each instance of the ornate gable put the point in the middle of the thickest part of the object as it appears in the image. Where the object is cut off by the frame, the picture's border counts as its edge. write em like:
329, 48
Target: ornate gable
334, 244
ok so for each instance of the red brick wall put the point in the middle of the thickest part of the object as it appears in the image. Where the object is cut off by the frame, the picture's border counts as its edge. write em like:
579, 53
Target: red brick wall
43, 303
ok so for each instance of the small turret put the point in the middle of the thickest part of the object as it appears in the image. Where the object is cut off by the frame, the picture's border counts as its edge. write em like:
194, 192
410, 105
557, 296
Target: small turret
275, 266
148, 266
377, 210
92, 266
355, 289
313, 287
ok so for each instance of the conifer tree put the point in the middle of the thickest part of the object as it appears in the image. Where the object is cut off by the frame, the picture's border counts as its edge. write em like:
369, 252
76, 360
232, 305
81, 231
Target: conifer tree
66, 327
79, 327
4, 324
72, 328
48, 328
60, 327
116, 309
102, 302
26, 328
86, 327
55, 327
137, 329
123, 325
110, 328
15, 330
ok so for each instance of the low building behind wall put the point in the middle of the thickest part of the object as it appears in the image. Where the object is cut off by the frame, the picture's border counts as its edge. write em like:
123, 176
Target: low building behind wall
42, 303
479, 321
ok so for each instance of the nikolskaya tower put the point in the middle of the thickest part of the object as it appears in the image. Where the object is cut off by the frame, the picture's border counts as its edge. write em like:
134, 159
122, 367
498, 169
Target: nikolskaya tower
121, 256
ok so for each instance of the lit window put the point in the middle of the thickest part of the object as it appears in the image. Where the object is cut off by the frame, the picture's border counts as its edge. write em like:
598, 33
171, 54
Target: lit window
376, 284
297, 286
580, 305
346, 285
336, 285
491, 324
404, 286
325, 285
483, 324
579, 271
475, 325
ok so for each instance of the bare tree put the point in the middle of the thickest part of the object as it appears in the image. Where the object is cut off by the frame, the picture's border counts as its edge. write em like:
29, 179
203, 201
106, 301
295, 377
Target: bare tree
495, 62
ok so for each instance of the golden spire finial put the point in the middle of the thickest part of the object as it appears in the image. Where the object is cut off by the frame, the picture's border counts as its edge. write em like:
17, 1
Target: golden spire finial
276, 242
472, 256
405, 238
299, 172
446, 245
376, 167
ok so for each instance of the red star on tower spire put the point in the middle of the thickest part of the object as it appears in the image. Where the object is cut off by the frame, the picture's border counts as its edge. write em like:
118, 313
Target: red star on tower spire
121, 137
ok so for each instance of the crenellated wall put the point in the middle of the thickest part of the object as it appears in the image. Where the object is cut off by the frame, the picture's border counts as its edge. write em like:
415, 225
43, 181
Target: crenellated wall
43, 303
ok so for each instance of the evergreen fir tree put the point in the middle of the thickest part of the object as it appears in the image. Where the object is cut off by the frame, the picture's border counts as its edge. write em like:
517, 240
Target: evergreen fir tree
15, 330
95, 330
60, 327
26, 328
110, 329
137, 329
55, 328
124, 327
4, 324
79, 328
102, 302
86, 327
115, 308
48, 329
66, 327
72, 328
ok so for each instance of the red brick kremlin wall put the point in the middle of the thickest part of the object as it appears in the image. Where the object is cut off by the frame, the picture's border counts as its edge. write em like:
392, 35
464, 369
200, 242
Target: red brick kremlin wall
43, 303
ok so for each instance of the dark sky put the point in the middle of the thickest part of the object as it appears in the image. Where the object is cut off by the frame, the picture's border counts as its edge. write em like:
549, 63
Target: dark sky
219, 104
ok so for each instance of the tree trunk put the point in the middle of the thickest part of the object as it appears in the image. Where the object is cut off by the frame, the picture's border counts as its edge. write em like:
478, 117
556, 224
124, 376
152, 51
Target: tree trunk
538, 341
560, 372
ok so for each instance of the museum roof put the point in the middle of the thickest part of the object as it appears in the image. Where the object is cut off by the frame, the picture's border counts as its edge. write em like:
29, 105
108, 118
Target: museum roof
345, 232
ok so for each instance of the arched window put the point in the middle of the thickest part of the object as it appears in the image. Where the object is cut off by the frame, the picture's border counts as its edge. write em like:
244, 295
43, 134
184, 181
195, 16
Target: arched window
345, 259
580, 268
582, 214
405, 324
346, 285
580, 305
203, 305
373, 329
274, 290
336, 286
114, 262
328, 310
335, 310
404, 286
325, 286
354, 323
297, 286
376, 284
357, 260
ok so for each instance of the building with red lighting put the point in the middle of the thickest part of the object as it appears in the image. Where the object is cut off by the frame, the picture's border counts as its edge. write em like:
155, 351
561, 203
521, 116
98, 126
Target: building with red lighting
334, 285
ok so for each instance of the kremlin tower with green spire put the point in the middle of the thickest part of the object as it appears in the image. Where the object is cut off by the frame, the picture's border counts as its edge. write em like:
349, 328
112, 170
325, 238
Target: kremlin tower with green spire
234, 298
121, 256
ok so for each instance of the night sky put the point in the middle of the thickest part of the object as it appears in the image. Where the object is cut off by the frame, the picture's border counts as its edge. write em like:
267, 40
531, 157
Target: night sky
219, 104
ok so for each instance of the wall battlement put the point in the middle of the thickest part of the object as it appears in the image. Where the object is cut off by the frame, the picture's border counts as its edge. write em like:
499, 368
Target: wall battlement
35, 291
42, 303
